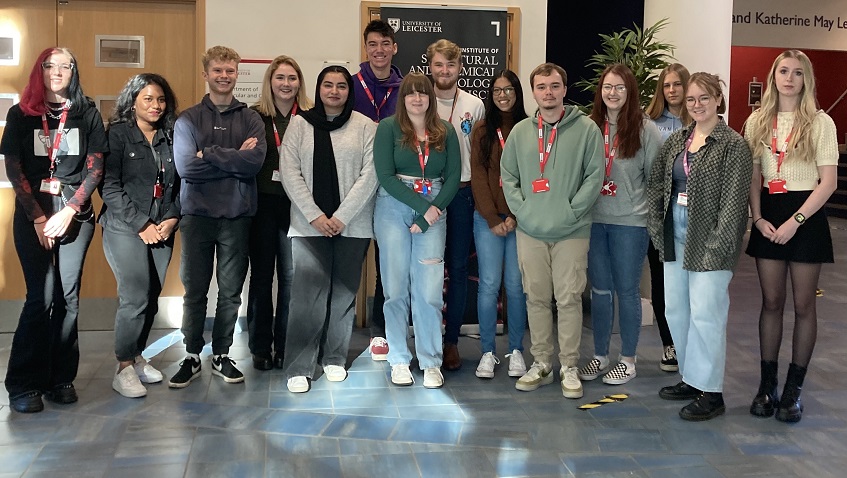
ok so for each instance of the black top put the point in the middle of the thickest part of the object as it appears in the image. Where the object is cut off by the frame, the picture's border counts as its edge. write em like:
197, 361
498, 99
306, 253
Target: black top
130, 176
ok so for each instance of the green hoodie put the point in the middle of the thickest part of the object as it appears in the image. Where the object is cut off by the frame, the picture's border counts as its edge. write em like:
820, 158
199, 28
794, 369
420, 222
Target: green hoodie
574, 169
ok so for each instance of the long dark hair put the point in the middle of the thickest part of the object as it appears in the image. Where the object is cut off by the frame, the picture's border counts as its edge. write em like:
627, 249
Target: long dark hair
124, 111
493, 115
32, 99
630, 119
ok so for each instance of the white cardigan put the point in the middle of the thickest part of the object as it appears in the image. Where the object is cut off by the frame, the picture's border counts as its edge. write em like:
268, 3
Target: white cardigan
352, 145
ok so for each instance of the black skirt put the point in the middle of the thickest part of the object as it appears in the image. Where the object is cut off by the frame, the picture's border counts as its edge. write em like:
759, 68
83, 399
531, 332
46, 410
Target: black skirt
812, 243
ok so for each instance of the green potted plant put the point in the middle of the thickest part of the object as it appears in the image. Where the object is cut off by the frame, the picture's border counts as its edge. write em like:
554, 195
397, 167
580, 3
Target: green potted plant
636, 48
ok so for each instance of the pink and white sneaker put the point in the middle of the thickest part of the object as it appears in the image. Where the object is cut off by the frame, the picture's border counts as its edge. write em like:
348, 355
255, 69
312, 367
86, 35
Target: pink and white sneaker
378, 349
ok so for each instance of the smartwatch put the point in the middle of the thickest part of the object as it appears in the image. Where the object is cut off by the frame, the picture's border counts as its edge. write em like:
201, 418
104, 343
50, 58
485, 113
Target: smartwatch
800, 218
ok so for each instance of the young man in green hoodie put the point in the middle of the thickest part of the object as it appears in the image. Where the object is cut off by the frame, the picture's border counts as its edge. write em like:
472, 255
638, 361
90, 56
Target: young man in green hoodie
552, 168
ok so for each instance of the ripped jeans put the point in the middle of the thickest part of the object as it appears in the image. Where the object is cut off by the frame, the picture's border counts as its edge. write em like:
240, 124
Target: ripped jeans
412, 267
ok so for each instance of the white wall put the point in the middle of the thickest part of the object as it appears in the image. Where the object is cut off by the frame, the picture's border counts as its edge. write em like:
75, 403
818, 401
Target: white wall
700, 30
317, 30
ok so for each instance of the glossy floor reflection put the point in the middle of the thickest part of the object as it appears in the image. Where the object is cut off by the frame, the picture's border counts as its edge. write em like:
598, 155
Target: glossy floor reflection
366, 427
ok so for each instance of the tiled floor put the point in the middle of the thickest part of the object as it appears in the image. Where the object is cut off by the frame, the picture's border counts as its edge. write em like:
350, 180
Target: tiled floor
365, 427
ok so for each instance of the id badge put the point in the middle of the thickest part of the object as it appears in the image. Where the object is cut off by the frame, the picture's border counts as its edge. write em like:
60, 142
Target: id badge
275, 176
52, 186
541, 185
682, 199
158, 190
423, 186
609, 188
777, 186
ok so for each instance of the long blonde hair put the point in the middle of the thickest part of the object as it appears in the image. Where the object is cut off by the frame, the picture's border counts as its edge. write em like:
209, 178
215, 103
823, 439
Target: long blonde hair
435, 129
758, 126
265, 105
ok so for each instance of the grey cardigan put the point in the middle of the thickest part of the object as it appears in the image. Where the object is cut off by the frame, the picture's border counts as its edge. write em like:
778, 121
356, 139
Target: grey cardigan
352, 145
717, 200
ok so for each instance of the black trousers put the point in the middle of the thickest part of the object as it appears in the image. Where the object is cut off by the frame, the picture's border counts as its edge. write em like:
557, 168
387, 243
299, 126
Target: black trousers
327, 272
657, 293
140, 272
378, 315
270, 249
208, 242
45, 350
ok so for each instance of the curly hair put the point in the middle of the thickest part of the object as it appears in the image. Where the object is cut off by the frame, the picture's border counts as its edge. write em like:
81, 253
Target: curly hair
124, 111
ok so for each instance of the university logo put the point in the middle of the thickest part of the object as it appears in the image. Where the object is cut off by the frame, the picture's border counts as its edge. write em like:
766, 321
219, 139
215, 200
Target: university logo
394, 23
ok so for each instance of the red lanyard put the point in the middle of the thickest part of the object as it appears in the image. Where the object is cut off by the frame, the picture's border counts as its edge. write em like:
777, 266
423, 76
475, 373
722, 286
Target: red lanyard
500, 137
780, 153
610, 155
273, 123
544, 153
685, 166
371, 96
53, 147
423, 156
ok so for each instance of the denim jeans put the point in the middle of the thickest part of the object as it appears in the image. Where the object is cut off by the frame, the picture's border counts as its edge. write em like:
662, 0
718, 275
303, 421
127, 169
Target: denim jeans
412, 268
270, 248
697, 307
45, 349
140, 272
459, 238
327, 271
498, 258
615, 260
209, 242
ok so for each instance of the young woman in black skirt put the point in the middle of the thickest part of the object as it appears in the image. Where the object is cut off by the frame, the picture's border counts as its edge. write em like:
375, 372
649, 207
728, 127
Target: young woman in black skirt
795, 156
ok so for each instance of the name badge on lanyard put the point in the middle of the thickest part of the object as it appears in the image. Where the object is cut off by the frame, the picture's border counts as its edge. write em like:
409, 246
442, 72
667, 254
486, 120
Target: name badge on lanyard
542, 184
777, 185
423, 185
52, 185
609, 187
682, 198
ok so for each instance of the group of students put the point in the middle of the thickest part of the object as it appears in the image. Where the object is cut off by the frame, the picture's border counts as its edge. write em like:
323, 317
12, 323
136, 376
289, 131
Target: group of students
424, 168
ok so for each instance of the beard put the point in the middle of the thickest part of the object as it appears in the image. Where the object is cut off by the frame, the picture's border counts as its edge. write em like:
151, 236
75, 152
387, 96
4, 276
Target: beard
444, 84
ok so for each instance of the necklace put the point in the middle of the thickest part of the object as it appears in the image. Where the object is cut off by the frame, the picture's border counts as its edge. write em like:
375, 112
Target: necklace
55, 113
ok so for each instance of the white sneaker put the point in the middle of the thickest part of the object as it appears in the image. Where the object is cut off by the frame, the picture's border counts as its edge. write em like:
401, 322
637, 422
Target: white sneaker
486, 366
538, 374
401, 375
299, 384
335, 373
517, 366
433, 378
621, 373
126, 383
146, 372
571, 385
594, 368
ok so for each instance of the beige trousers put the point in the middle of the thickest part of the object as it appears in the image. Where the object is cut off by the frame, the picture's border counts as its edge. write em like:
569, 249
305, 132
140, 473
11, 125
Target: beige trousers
553, 270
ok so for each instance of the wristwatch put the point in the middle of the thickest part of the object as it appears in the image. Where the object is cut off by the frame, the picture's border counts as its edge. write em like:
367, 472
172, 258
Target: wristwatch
800, 218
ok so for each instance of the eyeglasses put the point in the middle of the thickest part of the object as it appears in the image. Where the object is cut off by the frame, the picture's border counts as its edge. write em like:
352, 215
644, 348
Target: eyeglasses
47, 66
508, 91
619, 88
704, 100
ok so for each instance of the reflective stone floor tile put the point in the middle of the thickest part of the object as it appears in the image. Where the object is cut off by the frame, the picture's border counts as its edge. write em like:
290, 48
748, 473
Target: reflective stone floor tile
94, 472
425, 431
698, 442
493, 436
227, 446
241, 468
174, 470
441, 413
605, 464
83, 428
662, 460
295, 423
311, 400
156, 451
173, 411
473, 463
355, 466
686, 472
355, 398
630, 441
279, 447
565, 438
371, 428
371, 447
413, 396
234, 417
17, 458
386, 412
515, 463
304, 467
356, 379
67, 456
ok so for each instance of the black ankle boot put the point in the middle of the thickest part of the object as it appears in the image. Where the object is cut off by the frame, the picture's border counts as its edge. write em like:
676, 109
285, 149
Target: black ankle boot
707, 406
790, 408
766, 400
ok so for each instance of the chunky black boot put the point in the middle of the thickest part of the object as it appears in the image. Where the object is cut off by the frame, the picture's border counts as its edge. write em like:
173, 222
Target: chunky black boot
766, 400
707, 406
680, 391
790, 408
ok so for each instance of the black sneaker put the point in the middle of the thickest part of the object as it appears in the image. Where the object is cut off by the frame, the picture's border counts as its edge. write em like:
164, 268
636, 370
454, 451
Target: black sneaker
62, 394
669, 363
224, 367
707, 406
189, 369
27, 402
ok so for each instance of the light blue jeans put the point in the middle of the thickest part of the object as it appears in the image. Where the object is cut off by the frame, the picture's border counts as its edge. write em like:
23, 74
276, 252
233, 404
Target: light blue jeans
696, 306
497, 258
615, 260
412, 267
